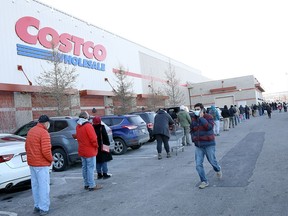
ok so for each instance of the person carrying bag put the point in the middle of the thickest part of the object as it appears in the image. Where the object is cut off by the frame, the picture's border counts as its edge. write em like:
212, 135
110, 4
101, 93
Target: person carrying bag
104, 154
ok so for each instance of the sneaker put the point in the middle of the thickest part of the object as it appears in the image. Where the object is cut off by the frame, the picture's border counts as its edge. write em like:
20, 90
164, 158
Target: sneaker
97, 187
36, 210
43, 212
86, 187
168, 155
159, 156
219, 174
203, 185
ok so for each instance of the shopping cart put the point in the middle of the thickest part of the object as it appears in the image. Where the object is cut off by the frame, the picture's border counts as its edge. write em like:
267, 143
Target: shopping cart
176, 134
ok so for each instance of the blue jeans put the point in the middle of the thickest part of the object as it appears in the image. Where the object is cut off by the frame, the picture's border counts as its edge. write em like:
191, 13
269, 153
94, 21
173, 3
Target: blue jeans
40, 182
102, 167
209, 152
88, 167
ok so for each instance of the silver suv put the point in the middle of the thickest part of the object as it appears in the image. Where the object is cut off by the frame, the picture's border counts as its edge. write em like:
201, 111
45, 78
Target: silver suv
62, 132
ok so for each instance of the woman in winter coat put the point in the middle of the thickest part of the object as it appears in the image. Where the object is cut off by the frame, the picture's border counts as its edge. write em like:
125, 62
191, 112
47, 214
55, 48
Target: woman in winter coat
162, 122
102, 157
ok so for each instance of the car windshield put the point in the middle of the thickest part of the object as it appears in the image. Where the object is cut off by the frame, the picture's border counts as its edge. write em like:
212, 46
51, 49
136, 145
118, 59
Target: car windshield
136, 120
151, 116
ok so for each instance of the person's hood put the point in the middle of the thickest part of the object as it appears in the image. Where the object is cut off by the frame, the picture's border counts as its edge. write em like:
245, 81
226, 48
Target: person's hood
182, 107
213, 107
82, 121
161, 111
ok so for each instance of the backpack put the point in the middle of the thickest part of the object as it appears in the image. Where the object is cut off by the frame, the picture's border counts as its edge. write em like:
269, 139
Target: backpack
213, 113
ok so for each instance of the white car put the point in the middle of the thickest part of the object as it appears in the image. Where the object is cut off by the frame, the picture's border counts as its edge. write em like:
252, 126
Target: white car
13, 161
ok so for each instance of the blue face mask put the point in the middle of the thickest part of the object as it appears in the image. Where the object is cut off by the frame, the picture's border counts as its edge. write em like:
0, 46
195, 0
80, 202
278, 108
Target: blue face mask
197, 112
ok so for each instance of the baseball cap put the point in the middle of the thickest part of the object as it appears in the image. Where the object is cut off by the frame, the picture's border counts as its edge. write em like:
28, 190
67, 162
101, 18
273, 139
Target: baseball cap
43, 118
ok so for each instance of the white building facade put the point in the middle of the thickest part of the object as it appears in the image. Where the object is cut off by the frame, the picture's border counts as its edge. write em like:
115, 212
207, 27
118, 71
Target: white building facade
245, 90
29, 32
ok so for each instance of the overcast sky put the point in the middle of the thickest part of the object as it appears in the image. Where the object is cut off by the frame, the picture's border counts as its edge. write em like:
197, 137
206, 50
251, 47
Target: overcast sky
221, 38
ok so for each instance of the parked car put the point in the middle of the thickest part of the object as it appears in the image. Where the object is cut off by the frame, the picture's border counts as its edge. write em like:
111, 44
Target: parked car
13, 161
148, 117
128, 131
62, 132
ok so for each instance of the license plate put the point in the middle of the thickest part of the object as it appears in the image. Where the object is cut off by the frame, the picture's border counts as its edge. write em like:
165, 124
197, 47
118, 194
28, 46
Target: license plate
24, 157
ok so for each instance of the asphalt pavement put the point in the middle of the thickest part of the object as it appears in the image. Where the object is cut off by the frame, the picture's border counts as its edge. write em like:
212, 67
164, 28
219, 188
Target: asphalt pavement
253, 157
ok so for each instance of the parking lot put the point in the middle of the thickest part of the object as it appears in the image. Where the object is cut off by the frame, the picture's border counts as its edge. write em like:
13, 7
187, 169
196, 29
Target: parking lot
253, 156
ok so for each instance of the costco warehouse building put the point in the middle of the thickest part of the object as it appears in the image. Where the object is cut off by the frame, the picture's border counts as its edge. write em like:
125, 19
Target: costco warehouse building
29, 29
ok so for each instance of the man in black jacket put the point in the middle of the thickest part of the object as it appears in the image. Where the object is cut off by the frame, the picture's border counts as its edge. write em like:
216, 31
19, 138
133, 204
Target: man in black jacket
232, 116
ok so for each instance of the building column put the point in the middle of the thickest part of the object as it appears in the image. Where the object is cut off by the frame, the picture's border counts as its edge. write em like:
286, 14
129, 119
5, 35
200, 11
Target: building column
75, 105
108, 104
23, 108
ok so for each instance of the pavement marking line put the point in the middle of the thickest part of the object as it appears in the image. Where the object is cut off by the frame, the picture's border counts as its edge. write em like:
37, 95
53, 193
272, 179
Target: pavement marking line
238, 164
136, 157
8, 213
64, 178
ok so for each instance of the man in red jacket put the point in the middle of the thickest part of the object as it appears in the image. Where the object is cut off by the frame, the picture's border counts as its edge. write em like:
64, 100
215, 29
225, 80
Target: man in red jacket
39, 157
87, 150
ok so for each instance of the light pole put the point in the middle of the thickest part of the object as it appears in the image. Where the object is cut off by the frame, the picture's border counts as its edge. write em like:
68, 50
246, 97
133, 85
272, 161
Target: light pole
190, 100
153, 97
106, 80
20, 68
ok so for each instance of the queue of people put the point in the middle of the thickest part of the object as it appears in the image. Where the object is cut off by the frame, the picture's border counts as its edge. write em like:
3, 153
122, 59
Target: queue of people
199, 127
235, 115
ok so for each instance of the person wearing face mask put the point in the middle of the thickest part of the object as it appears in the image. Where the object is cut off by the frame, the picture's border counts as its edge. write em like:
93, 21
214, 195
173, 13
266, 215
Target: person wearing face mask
39, 159
203, 137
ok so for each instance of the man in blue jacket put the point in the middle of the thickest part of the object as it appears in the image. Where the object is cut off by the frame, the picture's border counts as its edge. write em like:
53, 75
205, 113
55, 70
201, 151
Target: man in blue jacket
203, 137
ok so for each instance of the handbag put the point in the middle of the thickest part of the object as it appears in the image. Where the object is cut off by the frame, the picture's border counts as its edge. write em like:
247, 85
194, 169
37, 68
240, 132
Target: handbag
104, 148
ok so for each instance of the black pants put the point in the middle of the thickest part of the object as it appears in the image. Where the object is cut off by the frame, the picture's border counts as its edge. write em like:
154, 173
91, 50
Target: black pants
269, 114
162, 139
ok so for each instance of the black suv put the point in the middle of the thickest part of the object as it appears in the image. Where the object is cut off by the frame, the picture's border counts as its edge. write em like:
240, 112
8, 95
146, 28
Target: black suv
148, 117
62, 132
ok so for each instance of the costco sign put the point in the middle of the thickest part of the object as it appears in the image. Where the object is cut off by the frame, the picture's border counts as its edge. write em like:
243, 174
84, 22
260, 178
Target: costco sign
49, 38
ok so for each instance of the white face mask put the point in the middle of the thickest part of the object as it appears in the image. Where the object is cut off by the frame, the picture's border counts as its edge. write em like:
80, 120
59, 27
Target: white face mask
47, 125
197, 112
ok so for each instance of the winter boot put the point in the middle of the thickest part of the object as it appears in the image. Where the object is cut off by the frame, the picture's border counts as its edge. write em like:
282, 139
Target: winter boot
99, 176
106, 176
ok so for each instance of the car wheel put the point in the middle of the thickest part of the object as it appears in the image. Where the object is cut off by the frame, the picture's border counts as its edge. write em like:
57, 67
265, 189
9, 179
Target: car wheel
136, 147
60, 160
120, 146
